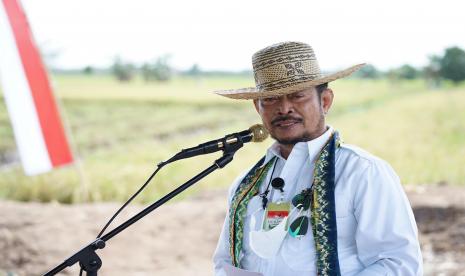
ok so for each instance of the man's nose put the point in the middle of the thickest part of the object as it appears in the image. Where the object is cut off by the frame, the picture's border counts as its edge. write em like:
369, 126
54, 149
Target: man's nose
285, 106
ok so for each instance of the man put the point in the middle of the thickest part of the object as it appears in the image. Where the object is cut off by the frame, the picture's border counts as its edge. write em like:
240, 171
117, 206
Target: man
312, 205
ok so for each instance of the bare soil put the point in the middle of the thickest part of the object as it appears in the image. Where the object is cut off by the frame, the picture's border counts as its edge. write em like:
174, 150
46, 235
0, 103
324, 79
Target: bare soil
179, 238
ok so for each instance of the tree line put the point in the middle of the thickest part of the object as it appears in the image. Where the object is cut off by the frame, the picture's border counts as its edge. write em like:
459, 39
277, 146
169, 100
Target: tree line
448, 66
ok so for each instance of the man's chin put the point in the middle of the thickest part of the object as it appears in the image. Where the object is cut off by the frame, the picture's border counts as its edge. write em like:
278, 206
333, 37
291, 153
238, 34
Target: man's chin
292, 140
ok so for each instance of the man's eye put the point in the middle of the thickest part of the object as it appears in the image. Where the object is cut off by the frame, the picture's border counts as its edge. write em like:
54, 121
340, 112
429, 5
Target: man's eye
297, 96
269, 100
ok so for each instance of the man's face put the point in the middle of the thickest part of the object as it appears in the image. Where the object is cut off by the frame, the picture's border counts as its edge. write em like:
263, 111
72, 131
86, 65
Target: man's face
295, 117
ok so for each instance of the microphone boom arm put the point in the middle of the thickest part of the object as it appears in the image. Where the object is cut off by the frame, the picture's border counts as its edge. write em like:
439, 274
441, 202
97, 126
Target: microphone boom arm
228, 143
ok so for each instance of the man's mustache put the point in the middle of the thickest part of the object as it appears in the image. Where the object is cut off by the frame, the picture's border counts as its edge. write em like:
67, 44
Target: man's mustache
284, 118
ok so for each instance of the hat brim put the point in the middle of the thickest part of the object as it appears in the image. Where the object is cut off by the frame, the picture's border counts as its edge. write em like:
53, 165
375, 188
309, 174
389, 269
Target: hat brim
251, 93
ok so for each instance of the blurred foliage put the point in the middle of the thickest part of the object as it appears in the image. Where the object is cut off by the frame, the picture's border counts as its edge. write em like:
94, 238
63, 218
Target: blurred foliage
194, 71
368, 71
432, 71
88, 70
404, 72
453, 64
160, 70
122, 71
408, 72
122, 131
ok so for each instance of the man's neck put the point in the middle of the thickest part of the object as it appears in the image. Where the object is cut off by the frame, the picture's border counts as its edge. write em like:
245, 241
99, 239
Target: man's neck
285, 150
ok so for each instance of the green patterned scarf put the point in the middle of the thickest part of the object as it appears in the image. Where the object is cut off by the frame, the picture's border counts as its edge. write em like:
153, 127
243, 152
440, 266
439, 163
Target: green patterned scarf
323, 208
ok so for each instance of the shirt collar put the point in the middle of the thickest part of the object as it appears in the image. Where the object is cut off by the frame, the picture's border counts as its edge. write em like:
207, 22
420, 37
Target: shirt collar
312, 147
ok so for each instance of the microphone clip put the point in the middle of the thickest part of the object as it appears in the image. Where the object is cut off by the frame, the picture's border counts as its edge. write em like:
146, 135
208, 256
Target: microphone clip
229, 147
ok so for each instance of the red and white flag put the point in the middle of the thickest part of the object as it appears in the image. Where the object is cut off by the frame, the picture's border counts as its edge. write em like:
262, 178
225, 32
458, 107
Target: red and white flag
38, 131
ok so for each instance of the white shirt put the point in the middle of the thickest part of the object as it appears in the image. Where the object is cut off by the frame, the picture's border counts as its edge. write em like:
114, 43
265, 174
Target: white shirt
376, 229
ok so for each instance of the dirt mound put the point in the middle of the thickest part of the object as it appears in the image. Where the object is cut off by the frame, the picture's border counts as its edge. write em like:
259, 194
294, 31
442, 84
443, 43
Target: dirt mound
179, 238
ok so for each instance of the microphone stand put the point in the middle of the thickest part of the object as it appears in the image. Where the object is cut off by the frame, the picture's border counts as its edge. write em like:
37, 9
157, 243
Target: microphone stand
90, 262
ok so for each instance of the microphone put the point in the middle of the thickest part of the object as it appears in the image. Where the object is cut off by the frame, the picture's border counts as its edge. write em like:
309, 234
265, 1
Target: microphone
256, 133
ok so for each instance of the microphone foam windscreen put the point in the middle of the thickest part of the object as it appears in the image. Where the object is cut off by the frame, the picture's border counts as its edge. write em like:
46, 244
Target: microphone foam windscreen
259, 133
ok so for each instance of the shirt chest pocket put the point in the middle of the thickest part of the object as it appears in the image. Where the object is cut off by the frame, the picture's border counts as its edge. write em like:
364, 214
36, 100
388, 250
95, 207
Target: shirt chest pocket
342, 205
345, 220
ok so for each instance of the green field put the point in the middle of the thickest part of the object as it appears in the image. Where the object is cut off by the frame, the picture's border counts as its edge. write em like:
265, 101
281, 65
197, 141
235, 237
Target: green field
120, 131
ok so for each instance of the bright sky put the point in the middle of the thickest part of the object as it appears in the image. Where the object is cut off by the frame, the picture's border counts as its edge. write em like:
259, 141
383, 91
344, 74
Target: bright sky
223, 35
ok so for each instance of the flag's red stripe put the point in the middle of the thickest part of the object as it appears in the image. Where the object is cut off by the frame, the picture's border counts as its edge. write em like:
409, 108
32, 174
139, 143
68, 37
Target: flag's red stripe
47, 112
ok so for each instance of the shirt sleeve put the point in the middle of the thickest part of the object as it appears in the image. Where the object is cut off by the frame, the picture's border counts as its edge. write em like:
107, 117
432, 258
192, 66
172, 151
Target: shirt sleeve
222, 255
386, 235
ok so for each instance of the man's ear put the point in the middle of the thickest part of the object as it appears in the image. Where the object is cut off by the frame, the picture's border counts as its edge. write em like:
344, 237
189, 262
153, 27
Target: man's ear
327, 97
256, 104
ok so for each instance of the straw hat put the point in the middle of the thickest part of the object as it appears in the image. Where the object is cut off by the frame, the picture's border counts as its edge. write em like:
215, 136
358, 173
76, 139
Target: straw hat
285, 68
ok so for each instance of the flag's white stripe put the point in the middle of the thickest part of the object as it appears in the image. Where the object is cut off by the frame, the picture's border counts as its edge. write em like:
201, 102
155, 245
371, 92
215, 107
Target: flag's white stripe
18, 98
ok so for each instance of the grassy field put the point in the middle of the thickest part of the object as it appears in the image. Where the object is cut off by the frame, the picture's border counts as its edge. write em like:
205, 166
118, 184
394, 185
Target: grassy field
120, 131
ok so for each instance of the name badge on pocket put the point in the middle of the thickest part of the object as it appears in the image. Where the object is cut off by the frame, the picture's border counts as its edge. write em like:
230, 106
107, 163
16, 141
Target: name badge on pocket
275, 213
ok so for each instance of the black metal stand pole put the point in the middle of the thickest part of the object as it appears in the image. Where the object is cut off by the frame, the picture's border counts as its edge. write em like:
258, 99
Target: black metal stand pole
90, 261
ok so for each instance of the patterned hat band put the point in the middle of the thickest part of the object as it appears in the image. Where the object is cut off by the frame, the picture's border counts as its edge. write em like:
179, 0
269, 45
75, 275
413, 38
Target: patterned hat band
282, 69
286, 74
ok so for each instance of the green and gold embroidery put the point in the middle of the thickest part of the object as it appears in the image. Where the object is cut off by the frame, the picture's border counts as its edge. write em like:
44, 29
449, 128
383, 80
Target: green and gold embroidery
324, 210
